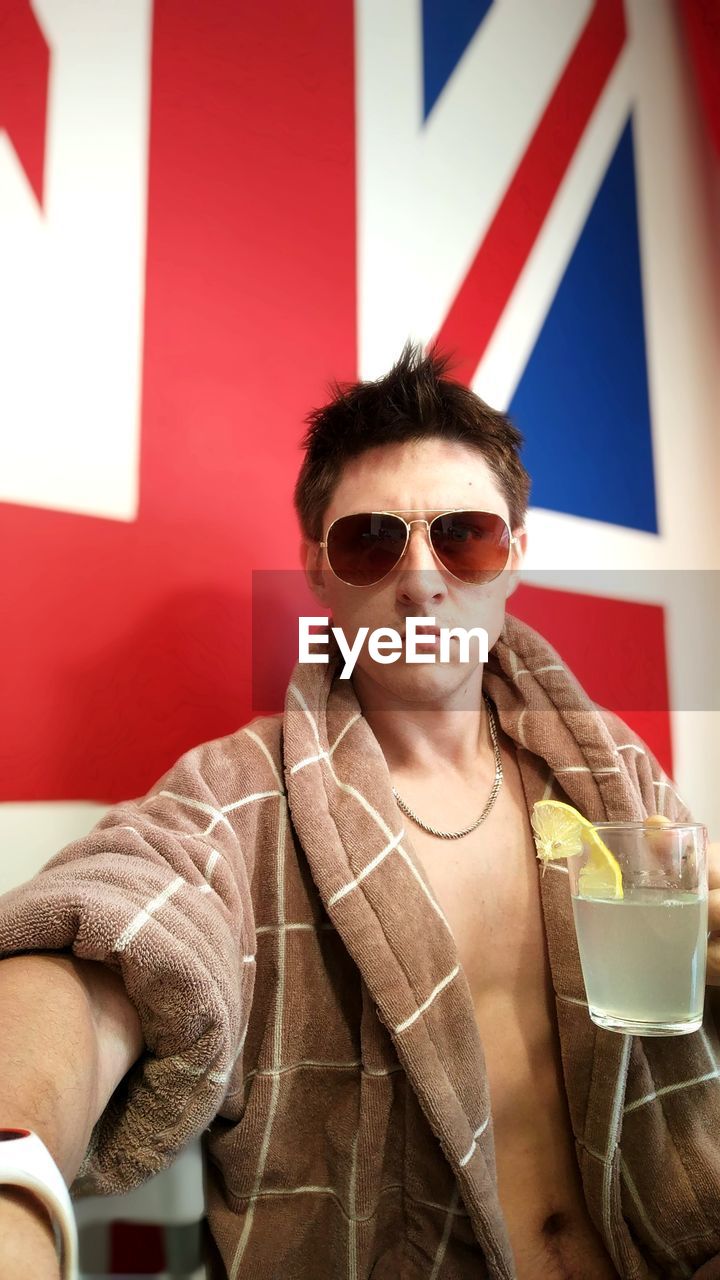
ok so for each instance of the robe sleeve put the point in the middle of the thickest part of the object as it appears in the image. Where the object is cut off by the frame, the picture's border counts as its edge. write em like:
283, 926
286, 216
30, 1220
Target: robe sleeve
158, 890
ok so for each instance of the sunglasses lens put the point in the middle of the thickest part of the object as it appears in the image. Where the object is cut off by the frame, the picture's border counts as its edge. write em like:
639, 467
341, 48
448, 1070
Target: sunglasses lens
362, 549
474, 545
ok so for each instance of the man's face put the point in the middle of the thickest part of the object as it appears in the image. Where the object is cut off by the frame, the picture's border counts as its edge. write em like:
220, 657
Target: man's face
422, 478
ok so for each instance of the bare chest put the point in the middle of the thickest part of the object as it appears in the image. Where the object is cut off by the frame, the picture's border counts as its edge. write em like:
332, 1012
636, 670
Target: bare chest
488, 888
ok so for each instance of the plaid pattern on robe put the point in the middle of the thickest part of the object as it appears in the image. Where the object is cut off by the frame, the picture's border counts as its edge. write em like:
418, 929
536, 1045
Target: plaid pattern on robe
302, 1001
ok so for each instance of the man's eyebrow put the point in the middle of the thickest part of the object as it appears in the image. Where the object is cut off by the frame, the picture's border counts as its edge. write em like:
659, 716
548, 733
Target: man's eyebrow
414, 511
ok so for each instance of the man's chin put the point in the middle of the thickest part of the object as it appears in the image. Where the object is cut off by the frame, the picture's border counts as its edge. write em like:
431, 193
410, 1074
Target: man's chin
418, 685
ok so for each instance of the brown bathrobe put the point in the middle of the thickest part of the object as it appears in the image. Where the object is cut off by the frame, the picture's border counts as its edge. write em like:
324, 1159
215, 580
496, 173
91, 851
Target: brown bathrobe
301, 995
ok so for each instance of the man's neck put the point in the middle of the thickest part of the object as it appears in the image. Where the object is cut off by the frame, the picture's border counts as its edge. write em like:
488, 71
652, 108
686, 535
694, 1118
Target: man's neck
415, 737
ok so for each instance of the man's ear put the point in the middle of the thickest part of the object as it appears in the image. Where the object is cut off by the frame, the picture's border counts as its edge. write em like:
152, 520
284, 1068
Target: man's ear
516, 561
311, 558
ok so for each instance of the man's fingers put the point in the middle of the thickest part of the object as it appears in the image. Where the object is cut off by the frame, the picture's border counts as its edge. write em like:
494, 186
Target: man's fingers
661, 843
713, 954
714, 867
713, 961
663, 846
672, 856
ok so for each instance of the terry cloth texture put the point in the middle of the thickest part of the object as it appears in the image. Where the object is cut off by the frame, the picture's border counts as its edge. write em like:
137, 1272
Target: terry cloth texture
301, 995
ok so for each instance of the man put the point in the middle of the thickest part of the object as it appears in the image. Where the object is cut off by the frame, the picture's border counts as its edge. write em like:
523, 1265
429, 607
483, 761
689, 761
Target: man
325, 936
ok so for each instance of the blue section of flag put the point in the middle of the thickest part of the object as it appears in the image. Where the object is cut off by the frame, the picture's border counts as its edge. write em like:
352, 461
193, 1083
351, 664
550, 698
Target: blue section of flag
583, 400
448, 28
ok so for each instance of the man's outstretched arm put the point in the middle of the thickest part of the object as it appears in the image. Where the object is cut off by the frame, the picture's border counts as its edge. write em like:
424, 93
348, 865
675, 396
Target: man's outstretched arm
69, 1035
158, 891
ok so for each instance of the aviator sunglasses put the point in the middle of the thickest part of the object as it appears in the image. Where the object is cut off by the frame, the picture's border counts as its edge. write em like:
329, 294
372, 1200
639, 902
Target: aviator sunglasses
362, 549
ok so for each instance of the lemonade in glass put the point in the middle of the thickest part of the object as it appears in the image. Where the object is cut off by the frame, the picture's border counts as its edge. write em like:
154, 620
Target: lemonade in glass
640, 903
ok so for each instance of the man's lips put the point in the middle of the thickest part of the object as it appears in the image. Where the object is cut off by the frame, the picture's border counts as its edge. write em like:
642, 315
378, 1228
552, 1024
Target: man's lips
423, 631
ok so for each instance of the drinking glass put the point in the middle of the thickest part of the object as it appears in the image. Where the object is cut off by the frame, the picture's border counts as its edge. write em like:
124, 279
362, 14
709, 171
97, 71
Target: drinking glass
643, 955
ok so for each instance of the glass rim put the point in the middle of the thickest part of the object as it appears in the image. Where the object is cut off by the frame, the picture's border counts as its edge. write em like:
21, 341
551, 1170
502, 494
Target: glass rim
649, 826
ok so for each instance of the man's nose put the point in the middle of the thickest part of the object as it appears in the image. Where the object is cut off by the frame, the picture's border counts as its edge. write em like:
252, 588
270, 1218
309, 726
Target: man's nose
420, 581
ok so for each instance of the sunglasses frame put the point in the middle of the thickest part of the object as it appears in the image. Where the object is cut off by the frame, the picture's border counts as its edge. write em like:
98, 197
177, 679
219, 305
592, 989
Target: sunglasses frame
408, 528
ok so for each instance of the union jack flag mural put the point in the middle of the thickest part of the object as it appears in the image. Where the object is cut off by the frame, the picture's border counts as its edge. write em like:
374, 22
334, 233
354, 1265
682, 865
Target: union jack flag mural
207, 213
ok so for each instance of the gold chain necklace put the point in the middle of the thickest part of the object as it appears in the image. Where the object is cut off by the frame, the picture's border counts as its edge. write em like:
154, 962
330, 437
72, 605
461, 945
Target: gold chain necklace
497, 783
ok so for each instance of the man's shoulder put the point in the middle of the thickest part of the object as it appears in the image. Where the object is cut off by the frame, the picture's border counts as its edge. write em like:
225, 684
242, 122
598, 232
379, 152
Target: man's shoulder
622, 734
633, 749
254, 750
263, 729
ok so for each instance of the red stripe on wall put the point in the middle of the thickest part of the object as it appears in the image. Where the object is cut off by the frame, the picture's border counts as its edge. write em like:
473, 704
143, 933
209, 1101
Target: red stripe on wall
617, 651
24, 68
128, 644
497, 265
701, 19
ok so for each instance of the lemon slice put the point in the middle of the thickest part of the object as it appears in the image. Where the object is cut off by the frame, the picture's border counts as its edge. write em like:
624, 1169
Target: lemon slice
561, 832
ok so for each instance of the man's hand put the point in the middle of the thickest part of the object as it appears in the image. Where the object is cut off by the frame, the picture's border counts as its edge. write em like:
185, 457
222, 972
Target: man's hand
713, 955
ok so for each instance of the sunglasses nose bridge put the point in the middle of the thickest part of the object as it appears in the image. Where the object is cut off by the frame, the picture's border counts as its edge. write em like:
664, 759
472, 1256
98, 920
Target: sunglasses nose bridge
410, 524
415, 561
427, 539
